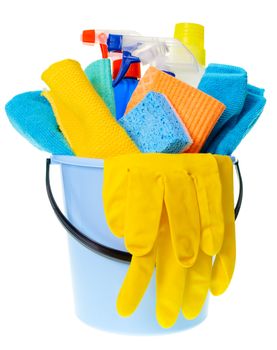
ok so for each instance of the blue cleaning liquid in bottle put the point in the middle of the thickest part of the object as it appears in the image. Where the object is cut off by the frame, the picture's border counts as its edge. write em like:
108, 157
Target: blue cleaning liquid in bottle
124, 90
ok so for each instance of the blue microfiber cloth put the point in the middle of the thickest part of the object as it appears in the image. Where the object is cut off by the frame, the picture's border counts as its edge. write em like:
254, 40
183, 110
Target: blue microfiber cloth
99, 75
228, 84
155, 127
32, 116
122, 94
236, 128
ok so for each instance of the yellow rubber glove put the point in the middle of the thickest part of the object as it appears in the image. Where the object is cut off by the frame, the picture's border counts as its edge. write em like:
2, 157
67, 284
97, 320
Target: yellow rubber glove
133, 200
82, 115
150, 249
202, 275
170, 278
224, 264
198, 279
201, 167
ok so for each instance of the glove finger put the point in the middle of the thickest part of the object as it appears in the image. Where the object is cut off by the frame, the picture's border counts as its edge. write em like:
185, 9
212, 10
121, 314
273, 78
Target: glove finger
197, 286
183, 215
224, 264
144, 206
170, 278
210, 205
135, 283
115, 196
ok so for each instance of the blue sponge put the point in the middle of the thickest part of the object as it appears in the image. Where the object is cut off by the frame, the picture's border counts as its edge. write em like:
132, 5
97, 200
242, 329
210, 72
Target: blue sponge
155, 127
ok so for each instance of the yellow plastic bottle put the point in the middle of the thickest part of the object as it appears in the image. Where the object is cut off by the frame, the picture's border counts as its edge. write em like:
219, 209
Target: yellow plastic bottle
192, 36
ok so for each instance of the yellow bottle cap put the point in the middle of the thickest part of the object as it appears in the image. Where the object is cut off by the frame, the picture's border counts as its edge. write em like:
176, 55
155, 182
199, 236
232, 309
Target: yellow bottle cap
192, 36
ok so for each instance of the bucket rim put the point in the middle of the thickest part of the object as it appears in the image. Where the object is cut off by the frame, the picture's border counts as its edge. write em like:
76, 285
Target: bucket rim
89, 162
78, 161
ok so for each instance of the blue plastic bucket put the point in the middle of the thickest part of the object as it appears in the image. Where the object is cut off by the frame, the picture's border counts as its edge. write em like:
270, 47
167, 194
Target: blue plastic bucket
96, 278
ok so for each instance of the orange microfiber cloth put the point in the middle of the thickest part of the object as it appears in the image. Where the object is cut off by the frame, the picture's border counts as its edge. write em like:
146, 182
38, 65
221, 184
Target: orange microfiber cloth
82, 115
198, 111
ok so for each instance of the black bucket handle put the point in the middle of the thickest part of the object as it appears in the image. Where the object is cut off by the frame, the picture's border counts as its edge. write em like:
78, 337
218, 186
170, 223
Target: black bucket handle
100, 248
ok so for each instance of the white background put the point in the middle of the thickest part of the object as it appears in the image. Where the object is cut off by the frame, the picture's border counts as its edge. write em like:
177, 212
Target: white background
36, 303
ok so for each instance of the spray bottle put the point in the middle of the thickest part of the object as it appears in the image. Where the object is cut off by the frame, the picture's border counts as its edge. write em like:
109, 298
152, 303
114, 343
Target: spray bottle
99, 36
125, 88
166, 54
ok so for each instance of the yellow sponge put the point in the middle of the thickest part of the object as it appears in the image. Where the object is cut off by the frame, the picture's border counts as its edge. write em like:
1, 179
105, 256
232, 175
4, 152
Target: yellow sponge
82, 115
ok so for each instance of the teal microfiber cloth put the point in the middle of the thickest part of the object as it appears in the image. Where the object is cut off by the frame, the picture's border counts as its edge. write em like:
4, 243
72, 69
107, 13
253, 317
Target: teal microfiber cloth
228, 84
155, 127
236, 128
99, 75
32, 116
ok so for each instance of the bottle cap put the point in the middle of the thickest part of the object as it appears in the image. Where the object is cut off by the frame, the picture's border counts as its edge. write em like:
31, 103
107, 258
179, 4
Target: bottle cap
88, 36
192, 36
114, 42
132, 72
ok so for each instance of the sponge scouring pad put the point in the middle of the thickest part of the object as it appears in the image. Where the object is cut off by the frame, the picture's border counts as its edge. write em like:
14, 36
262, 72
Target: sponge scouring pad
198, 111
155, 127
